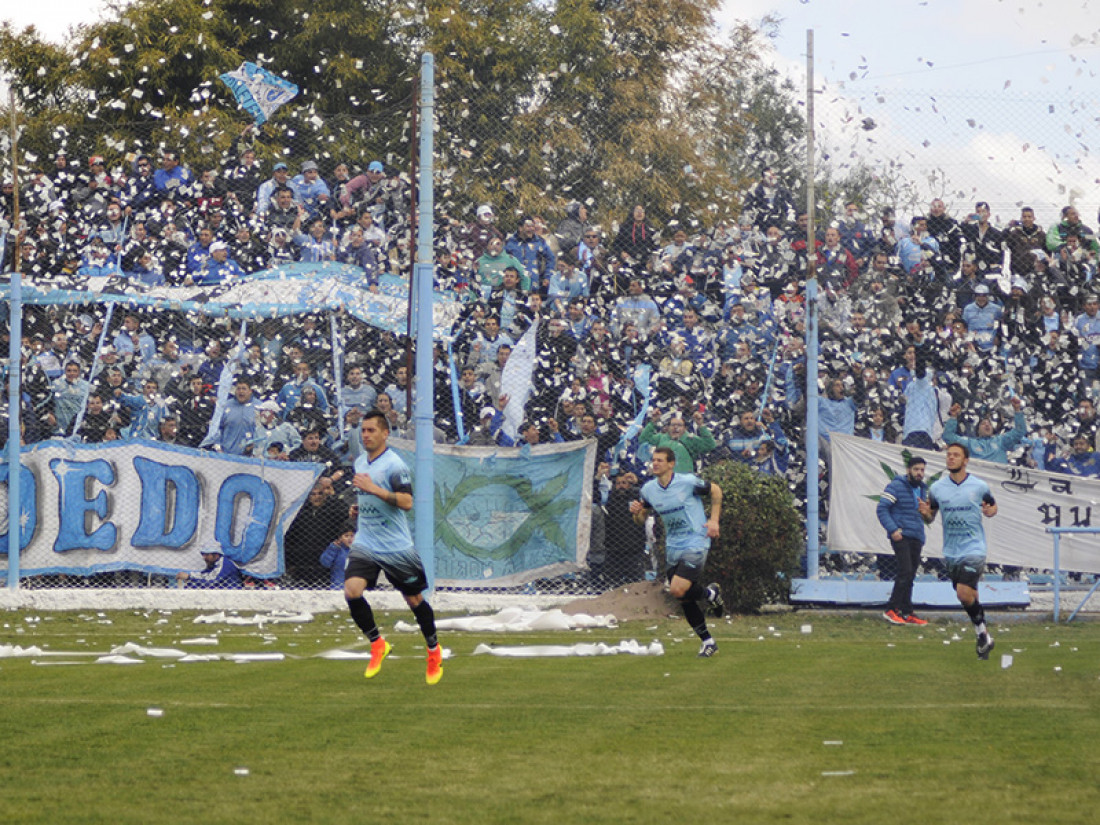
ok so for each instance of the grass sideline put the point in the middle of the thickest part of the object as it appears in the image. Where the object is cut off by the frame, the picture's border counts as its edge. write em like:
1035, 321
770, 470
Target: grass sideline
928, 733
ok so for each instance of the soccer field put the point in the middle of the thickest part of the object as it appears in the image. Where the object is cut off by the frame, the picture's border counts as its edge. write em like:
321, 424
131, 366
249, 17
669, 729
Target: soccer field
854, 722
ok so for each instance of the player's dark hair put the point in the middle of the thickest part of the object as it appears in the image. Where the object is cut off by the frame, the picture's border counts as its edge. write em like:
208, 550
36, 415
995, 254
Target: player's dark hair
667, 452
380, 417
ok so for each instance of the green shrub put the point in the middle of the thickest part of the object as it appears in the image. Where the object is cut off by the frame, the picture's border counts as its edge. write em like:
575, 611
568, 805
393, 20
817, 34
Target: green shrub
761, 540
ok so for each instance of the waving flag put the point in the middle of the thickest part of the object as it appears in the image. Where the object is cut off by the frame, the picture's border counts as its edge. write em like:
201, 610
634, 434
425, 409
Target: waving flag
259, 91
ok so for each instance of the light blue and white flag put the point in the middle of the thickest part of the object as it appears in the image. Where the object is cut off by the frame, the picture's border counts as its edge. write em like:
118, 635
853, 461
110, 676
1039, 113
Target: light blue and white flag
515, 379
505, 516
258, 91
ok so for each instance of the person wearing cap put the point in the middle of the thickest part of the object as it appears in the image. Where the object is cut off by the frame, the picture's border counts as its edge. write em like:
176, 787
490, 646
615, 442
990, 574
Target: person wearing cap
173, 181
270, 428
491, 265
220, 572
265, 195
474, 238
311, 190
983, 318
898, 512
484, 433
384, 196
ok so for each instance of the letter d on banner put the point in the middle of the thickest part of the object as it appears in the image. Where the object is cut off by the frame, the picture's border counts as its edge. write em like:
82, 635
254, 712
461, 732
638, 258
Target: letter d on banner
166, 521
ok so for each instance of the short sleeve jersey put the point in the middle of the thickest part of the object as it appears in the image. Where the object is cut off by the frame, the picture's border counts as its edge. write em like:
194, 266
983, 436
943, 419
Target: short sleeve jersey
960, 507
681, 511
383, 527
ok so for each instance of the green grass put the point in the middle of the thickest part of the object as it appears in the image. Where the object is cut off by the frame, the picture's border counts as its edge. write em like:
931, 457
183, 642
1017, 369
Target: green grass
930, 735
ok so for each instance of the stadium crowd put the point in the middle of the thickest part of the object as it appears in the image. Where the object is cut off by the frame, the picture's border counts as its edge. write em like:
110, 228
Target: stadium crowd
933, 330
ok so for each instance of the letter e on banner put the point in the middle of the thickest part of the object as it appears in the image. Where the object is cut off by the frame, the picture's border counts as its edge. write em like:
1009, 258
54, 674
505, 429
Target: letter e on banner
75, 506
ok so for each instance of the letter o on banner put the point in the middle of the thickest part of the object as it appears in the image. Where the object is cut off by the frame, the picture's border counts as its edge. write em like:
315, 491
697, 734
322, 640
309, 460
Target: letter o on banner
28, 518
250, 498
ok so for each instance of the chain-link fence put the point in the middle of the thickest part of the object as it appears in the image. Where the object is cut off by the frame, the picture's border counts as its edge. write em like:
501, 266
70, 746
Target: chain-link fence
661, 298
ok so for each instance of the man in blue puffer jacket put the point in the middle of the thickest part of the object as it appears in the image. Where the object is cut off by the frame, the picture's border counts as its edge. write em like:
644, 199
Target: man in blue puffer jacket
898, 514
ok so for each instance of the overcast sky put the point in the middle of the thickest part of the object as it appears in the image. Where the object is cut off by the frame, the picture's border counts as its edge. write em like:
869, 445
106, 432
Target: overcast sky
989, 94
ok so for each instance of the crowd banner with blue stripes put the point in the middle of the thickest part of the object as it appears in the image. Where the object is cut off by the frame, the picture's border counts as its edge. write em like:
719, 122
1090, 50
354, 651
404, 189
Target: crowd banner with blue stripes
258, 91
143, 505
289, 289
507, 516
1028, 502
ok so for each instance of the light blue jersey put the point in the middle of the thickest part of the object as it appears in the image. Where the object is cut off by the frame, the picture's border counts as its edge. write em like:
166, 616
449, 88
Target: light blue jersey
960, 507
383, 528
681, 511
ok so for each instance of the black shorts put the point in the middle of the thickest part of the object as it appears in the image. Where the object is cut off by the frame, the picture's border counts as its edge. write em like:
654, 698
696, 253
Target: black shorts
359, 568
966, 571
689, 566
404, 571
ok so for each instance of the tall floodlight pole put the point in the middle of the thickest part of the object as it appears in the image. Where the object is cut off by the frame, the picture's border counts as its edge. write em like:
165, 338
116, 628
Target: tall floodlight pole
813, 544
15, 370
423, 278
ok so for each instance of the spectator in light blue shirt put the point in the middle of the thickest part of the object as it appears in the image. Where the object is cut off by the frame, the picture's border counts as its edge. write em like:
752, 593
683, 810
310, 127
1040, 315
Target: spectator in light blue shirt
985, 445
1087, 327
311, 190
318, 245
983, 319
238, 422
146, 412
567, 282
220, 268
357, 392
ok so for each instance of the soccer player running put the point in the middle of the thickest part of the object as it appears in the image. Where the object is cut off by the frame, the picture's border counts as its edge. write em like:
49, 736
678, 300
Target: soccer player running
675, 497
963, 499
383, 543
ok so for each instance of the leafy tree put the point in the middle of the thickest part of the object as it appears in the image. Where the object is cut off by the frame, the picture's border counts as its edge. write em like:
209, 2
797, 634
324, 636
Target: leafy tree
761, 539
611, 102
